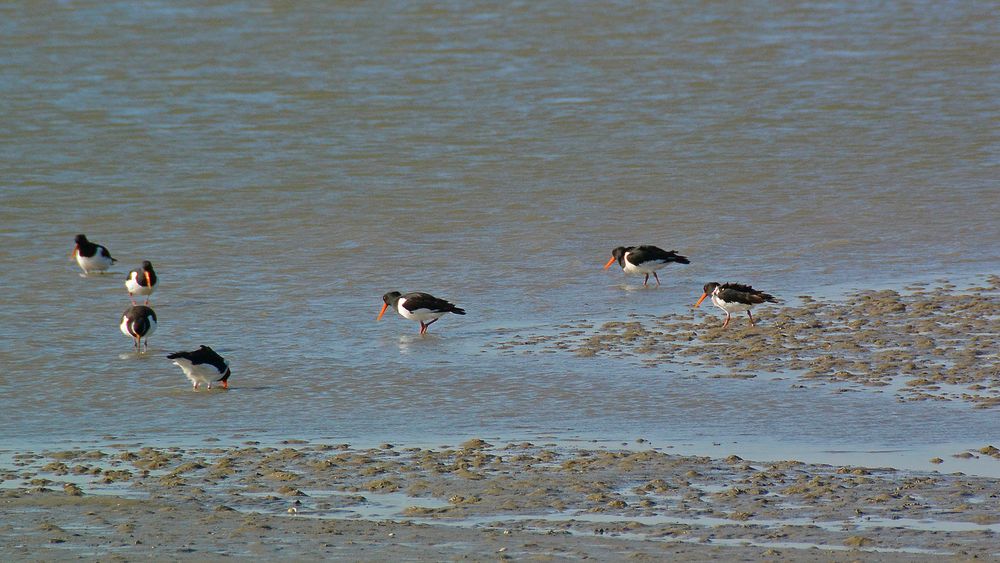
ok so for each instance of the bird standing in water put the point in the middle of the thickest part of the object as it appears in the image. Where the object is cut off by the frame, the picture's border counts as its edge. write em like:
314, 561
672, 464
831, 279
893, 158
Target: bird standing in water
203, 365
645, 259
418, 306
141, 282
139, 322
91, 257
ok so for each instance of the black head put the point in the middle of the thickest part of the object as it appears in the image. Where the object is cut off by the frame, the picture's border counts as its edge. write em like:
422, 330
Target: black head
390, 299
139, 311
81, 239
710, 287
147, 265
619, 255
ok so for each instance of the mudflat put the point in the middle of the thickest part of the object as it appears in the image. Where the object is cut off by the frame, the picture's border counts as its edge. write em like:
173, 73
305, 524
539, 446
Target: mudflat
481, 501
923, 342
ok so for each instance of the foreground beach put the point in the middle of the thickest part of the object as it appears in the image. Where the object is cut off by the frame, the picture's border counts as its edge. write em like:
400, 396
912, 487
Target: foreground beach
481, 501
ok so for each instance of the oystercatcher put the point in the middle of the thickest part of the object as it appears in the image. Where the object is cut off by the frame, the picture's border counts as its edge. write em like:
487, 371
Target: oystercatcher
203, 365
419, 307
645, 259
734, 297
90, 256
139, 322
141, 281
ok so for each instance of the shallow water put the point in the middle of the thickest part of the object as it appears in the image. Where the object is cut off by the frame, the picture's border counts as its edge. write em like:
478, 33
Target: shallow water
284, 165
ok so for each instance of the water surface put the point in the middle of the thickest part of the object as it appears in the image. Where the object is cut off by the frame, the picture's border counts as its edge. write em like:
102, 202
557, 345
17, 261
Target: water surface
285, 164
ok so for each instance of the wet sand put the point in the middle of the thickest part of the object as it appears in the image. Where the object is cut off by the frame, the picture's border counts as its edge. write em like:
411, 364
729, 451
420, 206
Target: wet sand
923, 342
481, 501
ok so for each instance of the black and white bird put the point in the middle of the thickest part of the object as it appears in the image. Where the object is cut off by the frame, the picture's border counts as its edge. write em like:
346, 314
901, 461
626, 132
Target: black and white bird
733, 298
139, 322
90, 256
645, 259
418, 306
203, 365
141, 282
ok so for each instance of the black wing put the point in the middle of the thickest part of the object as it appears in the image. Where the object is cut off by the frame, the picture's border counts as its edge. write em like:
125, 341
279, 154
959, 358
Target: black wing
104, 252
740, 293
203, 355
420, 300
646, 253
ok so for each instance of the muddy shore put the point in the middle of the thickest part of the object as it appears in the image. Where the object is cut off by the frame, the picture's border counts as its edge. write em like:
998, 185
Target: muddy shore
924, 342
481, 501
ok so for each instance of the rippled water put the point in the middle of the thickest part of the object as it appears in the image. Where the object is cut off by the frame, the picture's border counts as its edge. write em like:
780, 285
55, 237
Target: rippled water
283, 164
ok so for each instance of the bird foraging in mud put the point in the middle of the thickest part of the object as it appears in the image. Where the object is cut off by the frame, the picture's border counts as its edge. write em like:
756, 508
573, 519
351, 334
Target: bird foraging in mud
733, 298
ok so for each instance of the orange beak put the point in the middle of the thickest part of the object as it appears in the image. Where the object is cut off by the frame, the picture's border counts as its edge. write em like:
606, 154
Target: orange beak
148, 283
703, 296
382, 312
75, 250
610, 262
225, 385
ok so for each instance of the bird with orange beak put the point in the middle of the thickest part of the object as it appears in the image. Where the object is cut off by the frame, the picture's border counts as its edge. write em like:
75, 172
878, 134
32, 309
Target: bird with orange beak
733, 298
418, 306
141, 282
138, 322
645, 259
203, 366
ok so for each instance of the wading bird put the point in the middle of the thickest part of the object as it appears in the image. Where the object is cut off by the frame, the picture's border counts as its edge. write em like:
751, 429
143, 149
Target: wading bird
734, 297
645, 259
203, 365
418, 306
139, 322
90, 256
141, 282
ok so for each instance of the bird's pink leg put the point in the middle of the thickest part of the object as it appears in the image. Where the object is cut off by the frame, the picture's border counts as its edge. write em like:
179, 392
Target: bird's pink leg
657, 279
751, 318
423, 327
725, 324
645, 280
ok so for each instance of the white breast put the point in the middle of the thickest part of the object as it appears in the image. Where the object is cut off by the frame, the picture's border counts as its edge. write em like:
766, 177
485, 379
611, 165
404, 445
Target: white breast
647, 267
729, 307
95, 263
201, 373
132, 285
418, 314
